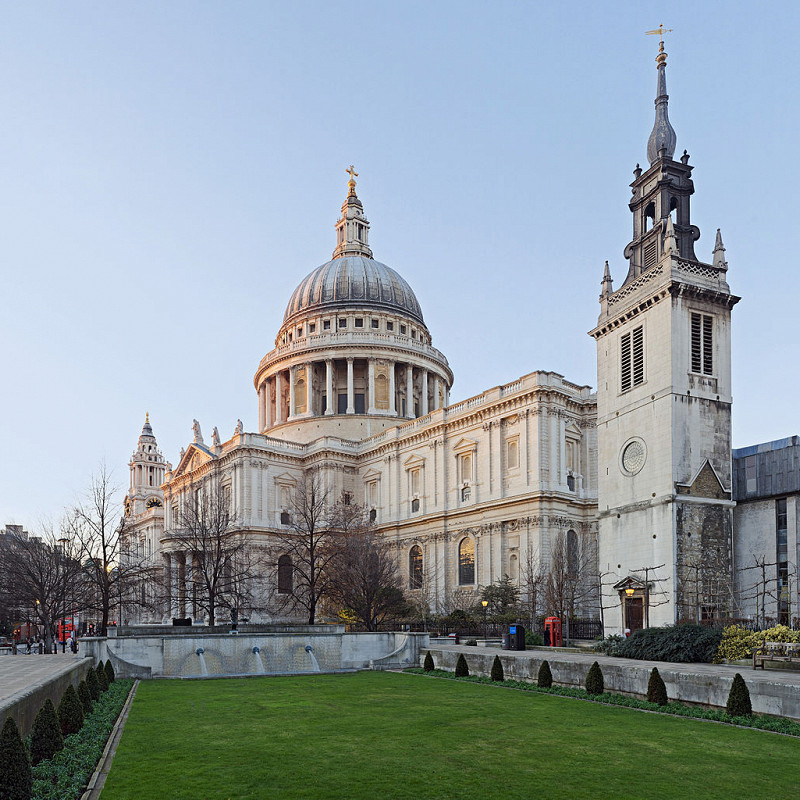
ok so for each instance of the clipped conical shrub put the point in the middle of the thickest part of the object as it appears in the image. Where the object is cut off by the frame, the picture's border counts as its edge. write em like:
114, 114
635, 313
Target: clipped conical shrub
428, 664
656, 689
16, 781
739, 704
46, 738
497, 669
545, 679
594, 679
109, 670
70, 712
85, 697
92, 683
101, 677
461, 666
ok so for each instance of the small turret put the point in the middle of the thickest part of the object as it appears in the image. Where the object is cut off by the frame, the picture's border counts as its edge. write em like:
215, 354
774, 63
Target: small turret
147, 470
719, 253
352, 229
661, 143
607, 284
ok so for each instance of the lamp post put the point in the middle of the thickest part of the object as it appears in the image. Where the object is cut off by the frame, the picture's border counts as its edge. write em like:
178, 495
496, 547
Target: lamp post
484, 603
63, 542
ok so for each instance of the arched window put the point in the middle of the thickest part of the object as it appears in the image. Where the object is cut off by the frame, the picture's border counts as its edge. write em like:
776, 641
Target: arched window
572, 552
285, 575
466, 562
415, 567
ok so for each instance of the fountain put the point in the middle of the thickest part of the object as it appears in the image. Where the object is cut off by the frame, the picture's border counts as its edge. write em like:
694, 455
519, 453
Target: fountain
259, 663
314, 663
203, 668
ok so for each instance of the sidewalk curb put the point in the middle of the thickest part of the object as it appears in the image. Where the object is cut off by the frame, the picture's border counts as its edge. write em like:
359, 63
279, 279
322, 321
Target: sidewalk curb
98, 779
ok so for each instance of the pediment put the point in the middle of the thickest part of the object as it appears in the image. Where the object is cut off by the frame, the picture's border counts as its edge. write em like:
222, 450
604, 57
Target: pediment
285, 479
572, 430
629, 582
195, 457
706, 483
371, 474
414, 461
464, 444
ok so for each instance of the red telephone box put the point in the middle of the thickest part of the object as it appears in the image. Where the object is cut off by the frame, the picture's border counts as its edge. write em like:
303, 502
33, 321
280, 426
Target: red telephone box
552, 627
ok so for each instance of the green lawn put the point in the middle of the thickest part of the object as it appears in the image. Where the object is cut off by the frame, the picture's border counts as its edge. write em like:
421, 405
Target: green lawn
387, 735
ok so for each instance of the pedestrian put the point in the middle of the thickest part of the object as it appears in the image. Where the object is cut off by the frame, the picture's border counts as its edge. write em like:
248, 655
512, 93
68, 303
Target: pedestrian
73, 642
28, 646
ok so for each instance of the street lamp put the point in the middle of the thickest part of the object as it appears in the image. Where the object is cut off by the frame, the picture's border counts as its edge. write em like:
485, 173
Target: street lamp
484, 603
629, 591
63, 542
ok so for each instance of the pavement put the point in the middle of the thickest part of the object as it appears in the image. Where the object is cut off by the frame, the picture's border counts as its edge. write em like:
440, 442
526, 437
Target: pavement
18, 673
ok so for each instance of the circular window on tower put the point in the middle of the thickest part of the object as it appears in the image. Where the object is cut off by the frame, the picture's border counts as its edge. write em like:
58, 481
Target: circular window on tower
633, 456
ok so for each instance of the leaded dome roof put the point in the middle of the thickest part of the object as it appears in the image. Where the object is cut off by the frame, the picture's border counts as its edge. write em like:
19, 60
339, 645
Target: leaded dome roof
354, 280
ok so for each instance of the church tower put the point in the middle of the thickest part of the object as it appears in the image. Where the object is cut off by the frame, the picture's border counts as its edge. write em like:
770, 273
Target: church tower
664, 406
147, 468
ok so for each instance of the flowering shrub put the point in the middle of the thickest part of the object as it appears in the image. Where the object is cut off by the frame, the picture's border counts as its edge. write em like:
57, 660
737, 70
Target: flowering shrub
738, 643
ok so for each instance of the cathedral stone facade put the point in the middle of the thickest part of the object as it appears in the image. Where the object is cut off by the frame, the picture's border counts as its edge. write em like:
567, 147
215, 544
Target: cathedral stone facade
639, 474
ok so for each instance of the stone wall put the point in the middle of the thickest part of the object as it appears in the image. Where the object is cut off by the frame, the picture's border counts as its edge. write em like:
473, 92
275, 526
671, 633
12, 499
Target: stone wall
694, 684
25, 705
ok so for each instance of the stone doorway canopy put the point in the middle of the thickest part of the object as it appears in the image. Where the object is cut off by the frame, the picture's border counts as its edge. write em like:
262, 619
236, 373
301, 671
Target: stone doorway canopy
633, 602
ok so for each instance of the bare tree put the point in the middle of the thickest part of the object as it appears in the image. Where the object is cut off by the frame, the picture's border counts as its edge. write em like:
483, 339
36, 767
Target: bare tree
220, 569
42, 576
532, 586
571, 580
98, 530
304, 551
364, 578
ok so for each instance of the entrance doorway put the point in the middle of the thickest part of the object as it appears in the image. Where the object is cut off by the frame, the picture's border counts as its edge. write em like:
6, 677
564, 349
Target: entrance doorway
634, 613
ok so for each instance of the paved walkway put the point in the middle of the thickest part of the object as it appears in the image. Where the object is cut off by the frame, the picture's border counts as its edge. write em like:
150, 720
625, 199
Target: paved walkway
18, 673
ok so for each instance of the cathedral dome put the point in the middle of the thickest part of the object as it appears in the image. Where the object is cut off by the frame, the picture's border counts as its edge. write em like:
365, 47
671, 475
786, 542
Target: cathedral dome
353, 280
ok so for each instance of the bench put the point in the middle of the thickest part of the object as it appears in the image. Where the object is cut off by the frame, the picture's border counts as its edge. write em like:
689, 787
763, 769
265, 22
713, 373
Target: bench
786, 652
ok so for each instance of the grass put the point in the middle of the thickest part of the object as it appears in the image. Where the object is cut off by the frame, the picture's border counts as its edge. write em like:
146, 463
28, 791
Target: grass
395, 736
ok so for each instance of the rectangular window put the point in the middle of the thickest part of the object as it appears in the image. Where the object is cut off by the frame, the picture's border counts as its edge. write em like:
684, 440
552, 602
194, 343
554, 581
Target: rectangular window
361, 407
390, 326
342, 323
359, 322
341, 404
326, 324
703, 344
632, 358
402, 329
311, 327
374, 323
414, 481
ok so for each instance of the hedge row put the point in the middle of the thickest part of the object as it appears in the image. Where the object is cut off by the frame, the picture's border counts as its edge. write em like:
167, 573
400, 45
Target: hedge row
738, 711
61, 751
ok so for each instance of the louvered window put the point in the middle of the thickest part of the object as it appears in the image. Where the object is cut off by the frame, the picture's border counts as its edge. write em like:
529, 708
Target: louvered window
650, 254
703, 344
632, 358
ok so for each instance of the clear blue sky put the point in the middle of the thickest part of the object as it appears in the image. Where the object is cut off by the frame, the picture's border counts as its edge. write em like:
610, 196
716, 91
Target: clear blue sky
170, 171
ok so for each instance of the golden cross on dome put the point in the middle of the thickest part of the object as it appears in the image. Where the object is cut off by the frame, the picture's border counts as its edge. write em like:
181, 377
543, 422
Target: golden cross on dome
352, 173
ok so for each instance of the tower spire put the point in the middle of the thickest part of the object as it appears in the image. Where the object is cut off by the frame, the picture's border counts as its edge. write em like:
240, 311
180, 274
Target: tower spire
352, 229
661, 143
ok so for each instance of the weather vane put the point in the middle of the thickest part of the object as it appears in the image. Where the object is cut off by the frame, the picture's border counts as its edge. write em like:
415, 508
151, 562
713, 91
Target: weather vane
659, 31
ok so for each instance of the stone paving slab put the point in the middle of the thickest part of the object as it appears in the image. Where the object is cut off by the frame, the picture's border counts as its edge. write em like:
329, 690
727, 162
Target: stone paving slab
26, 681
19, 672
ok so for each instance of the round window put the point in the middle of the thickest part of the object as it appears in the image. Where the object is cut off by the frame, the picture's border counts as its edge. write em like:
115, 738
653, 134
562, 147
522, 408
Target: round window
633, 456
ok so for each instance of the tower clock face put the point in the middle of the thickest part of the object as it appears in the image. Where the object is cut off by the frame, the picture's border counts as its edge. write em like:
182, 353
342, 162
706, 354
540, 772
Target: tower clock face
633, 456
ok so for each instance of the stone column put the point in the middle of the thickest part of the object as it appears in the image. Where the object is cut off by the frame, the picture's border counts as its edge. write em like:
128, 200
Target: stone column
270, 408
167, 586
278, 393
447, 395
180, 574
424, 400
409, 391
436, 404
392, 390
310, 389
351, 404
291, 392
331, 404
371, 386
262, 407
